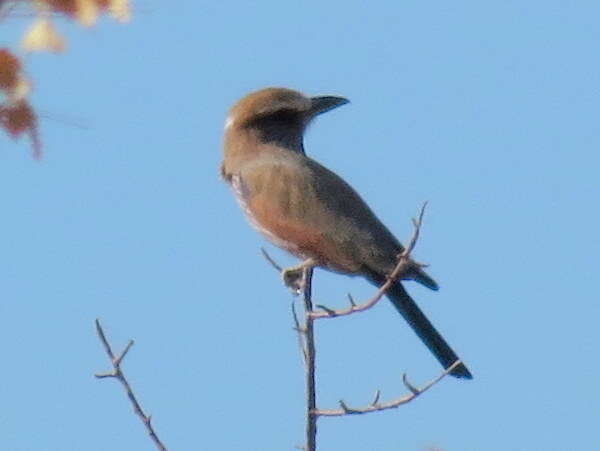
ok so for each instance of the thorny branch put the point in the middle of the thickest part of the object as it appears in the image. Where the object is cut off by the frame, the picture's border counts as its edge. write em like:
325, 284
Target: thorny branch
117, 373
376, 406
305, 332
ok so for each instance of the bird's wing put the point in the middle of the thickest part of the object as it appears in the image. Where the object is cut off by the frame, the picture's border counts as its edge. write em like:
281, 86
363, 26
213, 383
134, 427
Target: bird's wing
310, 211
377, 247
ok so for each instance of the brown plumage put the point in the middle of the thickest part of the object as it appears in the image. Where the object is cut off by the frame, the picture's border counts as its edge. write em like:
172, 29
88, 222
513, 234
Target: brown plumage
308, 210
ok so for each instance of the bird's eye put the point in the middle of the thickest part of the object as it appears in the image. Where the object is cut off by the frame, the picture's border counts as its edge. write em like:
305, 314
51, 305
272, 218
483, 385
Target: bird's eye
284, 114
271, 118
282, 117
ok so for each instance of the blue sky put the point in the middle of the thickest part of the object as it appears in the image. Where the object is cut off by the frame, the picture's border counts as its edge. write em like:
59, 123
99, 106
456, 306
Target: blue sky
488, 110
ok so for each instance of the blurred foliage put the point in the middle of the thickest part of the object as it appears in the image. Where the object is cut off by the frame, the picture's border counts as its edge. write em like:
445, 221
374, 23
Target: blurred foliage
17, 116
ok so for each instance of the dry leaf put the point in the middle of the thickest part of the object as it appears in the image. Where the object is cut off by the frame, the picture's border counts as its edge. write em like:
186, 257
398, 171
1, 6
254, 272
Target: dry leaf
120, 10
43, 37
20, 90
86, 12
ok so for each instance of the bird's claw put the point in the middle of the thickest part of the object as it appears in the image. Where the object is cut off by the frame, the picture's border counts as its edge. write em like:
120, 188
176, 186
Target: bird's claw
293, 278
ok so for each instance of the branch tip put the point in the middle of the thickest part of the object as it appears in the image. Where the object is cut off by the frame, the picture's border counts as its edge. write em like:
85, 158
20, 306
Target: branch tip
104, 375
118, 374
121, 356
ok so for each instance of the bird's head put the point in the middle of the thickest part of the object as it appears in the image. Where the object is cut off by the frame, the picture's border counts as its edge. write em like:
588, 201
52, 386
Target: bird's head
278, 115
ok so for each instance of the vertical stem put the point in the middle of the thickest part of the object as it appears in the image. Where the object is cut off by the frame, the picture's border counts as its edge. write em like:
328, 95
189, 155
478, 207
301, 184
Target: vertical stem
311, 397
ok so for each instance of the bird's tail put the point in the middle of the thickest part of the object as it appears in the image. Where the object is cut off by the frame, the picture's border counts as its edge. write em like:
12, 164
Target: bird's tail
425, 330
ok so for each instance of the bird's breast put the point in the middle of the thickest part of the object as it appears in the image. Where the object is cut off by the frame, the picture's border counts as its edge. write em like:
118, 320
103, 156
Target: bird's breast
282, 205
242, 195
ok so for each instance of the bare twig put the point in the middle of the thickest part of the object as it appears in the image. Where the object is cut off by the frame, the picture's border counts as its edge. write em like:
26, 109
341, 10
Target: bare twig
404, 262
417, 226
301, 332
309, 340
270, 259
376, 406
117, 373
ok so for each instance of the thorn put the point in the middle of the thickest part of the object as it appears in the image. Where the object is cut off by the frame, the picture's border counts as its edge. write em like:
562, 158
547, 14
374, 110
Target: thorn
344, 406
104, 375
376, 398
329, 311
414, 390
351, 299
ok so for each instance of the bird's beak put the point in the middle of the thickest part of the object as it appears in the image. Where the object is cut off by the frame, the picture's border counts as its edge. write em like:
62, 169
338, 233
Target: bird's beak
326, 103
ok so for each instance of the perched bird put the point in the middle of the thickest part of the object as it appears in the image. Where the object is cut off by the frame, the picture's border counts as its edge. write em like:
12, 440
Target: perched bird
308, 210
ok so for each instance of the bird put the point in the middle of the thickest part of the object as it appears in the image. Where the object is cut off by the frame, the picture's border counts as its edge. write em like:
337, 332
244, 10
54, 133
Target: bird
311, 212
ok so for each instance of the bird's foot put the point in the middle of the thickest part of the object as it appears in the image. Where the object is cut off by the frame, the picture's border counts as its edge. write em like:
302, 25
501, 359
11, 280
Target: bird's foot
293, 277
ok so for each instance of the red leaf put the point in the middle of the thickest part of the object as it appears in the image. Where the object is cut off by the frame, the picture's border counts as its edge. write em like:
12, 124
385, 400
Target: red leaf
68, 7
20, 118
9, 70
